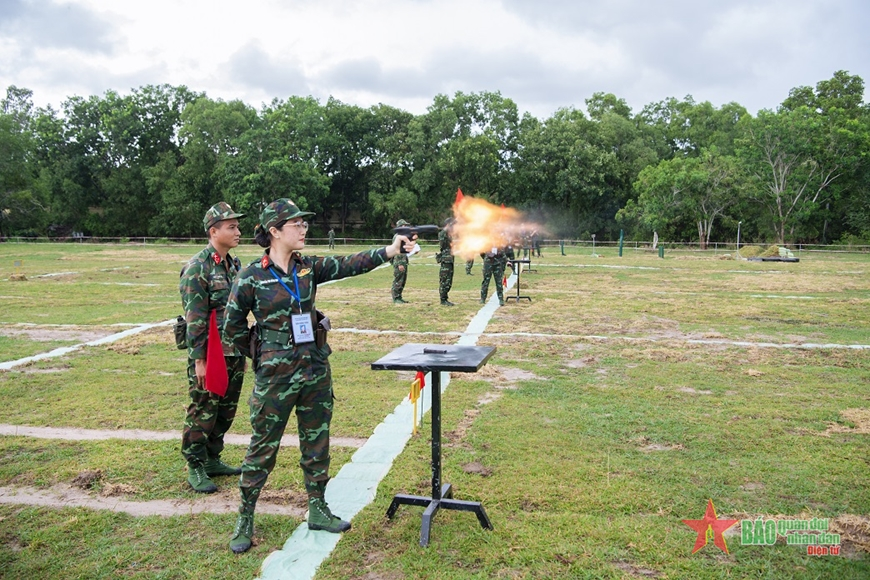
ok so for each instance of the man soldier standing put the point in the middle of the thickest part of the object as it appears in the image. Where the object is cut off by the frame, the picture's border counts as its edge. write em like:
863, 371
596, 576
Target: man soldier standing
331, 238
536, 243
445, 258
494, 263
400, 272
468, 266
205, 287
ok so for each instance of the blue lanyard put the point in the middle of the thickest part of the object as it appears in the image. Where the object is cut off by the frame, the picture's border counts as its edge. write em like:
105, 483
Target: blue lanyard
295, 283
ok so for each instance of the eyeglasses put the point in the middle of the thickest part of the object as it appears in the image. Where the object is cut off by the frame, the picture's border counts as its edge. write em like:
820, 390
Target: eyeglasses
301, 225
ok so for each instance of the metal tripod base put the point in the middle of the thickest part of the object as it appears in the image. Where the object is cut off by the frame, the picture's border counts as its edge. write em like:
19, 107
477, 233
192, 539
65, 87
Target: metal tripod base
517, 298
433, 505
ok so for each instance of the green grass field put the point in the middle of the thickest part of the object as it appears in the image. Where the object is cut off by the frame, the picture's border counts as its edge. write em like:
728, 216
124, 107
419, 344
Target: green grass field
628, 393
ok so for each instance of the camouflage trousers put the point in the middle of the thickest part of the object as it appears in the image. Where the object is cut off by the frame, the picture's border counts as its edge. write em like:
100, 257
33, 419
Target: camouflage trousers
209, 416
299, 379
445, 279
399, 279
493, 268
468, 266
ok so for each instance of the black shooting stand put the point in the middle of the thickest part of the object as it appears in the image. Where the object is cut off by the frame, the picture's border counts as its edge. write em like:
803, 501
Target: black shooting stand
529, 262
436, 358
517, 271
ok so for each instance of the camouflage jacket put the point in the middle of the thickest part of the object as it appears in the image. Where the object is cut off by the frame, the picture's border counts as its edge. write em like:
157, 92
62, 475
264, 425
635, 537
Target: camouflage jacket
502, 255
257, 290
445, 252
205, 286
399, 260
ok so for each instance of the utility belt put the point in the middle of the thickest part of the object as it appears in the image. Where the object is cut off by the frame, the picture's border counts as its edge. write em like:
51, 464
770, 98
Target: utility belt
265, 339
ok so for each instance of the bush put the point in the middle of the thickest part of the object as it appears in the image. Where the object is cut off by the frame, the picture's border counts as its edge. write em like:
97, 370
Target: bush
852, 240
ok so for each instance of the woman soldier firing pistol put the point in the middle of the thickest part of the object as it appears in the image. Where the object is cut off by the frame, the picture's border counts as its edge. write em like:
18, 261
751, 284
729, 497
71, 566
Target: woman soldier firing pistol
292, 366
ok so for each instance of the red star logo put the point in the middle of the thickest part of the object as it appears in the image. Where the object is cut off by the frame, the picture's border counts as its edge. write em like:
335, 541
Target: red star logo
217, 258
710, 525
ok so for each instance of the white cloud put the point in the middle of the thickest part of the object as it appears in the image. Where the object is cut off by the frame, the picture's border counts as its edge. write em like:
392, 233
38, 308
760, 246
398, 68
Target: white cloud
544, 55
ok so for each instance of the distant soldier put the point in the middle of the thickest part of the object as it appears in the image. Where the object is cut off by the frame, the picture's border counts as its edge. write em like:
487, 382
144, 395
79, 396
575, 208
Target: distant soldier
205, 287
536, 243
494, 263
468, 265
400, 272
331, 238
445, 258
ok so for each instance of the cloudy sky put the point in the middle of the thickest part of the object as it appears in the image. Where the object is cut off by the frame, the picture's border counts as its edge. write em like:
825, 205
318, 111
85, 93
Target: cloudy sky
543, 54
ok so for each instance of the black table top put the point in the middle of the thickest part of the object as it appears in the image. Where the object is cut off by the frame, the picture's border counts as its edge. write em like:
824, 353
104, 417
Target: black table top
435, 357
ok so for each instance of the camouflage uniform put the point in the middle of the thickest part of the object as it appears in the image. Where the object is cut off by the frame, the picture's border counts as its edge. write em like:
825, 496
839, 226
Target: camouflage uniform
331, 239
468, 266
445, 258
287, 376
493, 266
400, 271
400, 275
205, 286
536, 244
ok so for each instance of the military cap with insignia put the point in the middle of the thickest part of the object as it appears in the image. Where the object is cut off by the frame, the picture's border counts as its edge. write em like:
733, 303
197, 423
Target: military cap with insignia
219, 212
279, 211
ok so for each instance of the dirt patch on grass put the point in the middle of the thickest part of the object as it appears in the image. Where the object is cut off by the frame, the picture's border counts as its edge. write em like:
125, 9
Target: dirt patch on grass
288, 497
694, 391
637, 571
456, 437
477, 468
501, 377
488, 398
647, 446
61, 496
752, 486
115, 489
160, 335
853, 529
860, 418
580, 363
48, 334
87, 479
36, 371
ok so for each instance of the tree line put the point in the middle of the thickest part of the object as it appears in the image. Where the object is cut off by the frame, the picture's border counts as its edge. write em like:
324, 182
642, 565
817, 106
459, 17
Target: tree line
151, 162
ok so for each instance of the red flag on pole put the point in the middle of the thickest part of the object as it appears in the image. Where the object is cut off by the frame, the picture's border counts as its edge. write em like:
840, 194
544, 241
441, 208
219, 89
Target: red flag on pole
422, 378
216, 377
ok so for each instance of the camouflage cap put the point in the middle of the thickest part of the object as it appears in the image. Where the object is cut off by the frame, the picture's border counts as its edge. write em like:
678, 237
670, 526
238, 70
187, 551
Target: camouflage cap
401, 223
219, 212
280, 210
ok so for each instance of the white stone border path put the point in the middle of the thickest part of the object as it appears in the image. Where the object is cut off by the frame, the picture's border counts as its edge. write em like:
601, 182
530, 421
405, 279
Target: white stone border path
68, 349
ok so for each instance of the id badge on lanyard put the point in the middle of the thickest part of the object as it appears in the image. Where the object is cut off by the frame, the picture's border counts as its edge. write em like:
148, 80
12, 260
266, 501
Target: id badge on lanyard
303, 327
302, 324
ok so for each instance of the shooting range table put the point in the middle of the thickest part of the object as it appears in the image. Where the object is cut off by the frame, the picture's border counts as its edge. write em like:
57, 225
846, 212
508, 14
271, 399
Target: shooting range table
436, 358
518, 270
